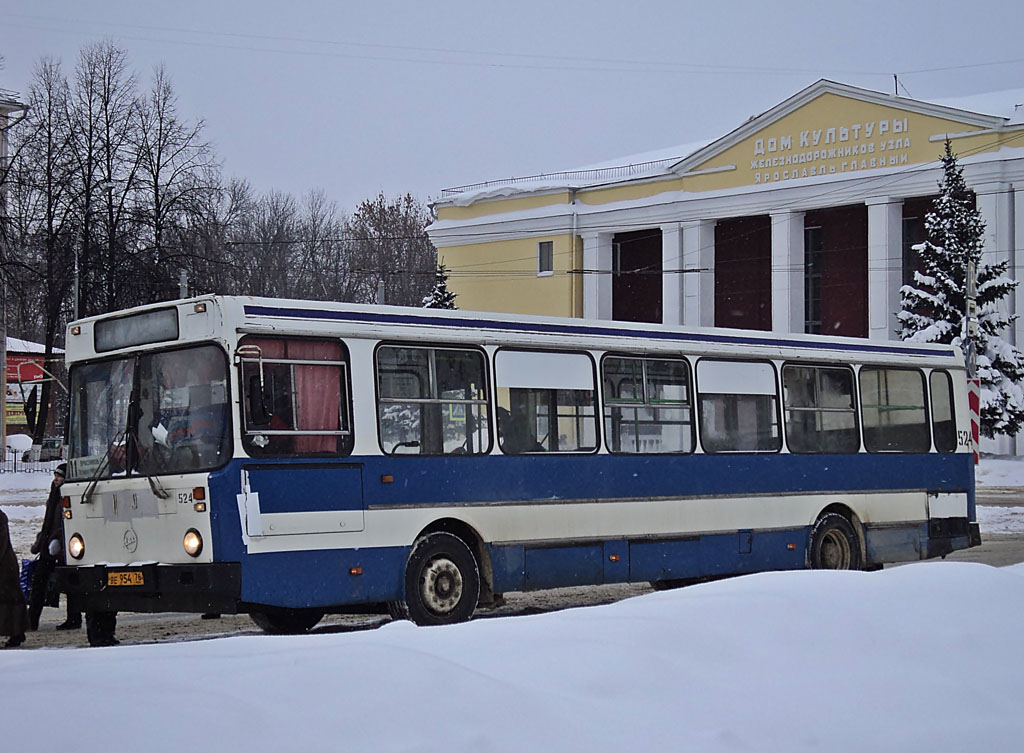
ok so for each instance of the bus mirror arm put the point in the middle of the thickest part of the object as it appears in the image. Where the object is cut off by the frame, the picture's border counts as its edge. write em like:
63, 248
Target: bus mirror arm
259, 413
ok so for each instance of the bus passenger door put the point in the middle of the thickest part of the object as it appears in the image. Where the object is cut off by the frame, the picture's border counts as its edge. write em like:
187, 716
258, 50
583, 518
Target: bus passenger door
303, 498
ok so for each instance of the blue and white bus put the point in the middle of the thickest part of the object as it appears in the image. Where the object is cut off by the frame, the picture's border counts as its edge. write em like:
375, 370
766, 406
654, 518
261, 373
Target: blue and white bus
289, 459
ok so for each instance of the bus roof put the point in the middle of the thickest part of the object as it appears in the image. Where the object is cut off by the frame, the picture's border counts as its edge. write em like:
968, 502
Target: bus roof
253, 314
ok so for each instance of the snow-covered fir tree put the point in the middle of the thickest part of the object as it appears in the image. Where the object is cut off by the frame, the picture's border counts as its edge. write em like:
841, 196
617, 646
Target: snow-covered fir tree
440, 296
934, 308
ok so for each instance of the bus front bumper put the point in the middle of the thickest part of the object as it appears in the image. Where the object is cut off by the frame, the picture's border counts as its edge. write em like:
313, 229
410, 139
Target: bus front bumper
200, 588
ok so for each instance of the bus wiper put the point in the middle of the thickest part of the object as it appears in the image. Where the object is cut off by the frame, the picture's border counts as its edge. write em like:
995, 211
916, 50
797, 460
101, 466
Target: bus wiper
101, 468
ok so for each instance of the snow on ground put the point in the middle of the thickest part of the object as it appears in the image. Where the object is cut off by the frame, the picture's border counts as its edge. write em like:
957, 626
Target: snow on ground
1000, 472
917, 658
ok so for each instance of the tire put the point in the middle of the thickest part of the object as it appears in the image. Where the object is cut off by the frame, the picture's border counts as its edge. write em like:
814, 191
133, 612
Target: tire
287, 621
834, 544
397, 610
442, 581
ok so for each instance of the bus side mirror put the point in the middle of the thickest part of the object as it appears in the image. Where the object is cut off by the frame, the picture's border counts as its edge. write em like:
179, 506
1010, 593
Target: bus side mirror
259, 414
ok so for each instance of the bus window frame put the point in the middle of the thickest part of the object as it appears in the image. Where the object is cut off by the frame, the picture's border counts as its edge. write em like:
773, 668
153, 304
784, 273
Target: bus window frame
855, 395
690, 404
132, 453
487, 401
925, 391
952, 410
597, 404
345, 417
778, 405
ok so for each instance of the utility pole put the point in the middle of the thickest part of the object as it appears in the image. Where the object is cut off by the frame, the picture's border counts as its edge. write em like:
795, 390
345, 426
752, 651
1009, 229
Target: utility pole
183, 284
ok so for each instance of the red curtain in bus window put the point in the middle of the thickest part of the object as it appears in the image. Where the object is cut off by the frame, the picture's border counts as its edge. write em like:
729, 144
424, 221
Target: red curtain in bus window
317, 394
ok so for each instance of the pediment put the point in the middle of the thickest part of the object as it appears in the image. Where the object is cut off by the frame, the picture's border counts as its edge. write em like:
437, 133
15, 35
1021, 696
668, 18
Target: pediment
831, 127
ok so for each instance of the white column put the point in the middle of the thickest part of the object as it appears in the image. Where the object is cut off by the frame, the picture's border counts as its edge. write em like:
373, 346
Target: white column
699, 273
671, 277
996, 203
885, 265
788, 272
597, 278
1017, 264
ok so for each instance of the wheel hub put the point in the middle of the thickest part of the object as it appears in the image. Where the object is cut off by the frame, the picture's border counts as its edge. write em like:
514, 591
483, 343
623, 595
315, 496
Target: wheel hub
835, 551
441, 585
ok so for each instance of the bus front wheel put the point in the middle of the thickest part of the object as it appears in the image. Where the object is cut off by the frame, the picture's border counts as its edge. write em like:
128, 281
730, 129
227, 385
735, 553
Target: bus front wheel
834, 544
442, 580
287, 621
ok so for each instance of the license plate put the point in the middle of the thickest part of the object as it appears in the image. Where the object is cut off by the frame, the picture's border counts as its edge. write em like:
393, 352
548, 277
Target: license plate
125, 578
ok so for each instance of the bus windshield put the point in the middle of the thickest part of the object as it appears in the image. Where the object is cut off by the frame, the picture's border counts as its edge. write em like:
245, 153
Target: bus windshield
150, 414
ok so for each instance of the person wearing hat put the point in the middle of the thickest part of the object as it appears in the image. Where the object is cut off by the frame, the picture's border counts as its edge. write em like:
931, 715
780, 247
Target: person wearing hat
49, 545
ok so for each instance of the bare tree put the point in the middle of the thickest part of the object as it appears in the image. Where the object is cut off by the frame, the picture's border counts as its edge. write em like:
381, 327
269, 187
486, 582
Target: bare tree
391, 249
41, 269
264, 245
174, 166
104, 118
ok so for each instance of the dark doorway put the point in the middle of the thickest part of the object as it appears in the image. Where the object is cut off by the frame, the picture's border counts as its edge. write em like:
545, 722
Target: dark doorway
636, 276
743, 273
836, 271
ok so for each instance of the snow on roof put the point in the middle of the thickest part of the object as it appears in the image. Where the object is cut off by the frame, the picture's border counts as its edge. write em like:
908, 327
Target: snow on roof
17, 345
1006, 104
632, 167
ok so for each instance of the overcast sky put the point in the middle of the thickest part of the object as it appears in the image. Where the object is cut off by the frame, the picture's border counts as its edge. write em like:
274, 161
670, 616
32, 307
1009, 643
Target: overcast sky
356, 98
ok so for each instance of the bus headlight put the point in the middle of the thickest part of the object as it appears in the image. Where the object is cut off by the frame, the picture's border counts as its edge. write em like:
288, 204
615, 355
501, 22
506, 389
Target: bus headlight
193, 542
76, 546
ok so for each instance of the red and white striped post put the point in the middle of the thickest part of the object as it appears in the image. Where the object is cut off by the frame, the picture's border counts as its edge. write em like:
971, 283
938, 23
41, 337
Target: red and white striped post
974, 403
974, 384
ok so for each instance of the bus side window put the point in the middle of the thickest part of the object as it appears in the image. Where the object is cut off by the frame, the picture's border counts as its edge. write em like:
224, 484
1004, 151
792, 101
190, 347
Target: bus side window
547, 402
432, 401
943, 420
893, 406
647, 405
303, 406
738, 406
820, 413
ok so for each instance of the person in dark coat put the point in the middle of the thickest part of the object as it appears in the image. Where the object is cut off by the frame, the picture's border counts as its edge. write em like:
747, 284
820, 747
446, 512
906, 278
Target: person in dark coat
49, 545
13, 610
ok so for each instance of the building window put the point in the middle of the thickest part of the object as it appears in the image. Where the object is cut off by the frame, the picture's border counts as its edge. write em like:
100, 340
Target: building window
545, 258
812, 280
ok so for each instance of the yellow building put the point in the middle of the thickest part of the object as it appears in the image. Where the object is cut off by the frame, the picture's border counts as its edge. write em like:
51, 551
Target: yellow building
799, 220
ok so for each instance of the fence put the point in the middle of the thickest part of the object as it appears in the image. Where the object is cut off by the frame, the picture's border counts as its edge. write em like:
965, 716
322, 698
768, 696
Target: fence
14, 462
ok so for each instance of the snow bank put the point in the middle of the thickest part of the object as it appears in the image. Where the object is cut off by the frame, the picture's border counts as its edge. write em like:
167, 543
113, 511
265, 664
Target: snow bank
917, 658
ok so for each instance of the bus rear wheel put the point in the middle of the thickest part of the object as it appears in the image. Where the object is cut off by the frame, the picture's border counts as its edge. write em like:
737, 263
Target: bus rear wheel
834, 544
287, 621
442, 580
